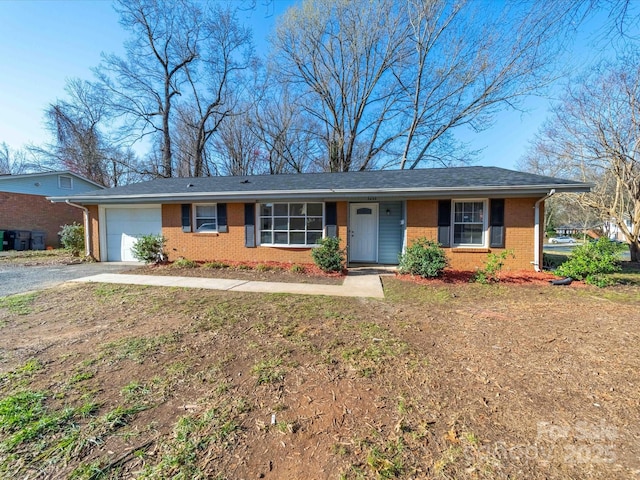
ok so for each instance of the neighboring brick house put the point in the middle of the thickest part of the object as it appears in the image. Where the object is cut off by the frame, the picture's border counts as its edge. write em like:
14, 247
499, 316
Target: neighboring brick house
24, 204
471, 211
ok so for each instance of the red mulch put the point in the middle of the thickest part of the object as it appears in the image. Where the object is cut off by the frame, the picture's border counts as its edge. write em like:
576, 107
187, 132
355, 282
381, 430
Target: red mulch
310, 269
516, 277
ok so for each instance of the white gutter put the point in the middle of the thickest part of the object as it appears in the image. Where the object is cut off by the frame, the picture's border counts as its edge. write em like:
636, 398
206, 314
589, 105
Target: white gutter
536, 231
87, 244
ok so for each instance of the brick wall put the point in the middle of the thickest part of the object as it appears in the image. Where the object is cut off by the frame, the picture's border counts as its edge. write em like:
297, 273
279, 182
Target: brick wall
34, 212
230, 245
422, 221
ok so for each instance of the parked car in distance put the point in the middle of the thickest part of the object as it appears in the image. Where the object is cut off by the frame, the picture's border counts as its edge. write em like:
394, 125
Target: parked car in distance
562, 240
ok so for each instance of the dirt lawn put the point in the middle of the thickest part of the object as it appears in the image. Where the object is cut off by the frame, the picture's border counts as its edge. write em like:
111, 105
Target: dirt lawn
434, 381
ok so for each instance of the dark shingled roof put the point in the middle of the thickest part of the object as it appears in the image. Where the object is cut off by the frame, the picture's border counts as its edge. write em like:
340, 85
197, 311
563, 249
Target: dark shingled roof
433, 182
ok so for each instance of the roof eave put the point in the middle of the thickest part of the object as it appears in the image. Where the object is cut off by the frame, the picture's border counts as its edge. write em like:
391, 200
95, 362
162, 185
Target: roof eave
367, 194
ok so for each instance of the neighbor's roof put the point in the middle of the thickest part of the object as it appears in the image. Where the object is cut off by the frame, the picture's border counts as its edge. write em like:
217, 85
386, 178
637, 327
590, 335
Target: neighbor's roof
423, 183
10, 177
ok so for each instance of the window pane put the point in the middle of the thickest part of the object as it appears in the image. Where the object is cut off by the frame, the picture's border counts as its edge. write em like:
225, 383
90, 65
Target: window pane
206, 225
281, 223
281, 238
266, 237
281, 209
313, 237
314, 209
470, 234
266, 209
206, 211
297, 209
296, 223
297, 238
314, 223
266, 224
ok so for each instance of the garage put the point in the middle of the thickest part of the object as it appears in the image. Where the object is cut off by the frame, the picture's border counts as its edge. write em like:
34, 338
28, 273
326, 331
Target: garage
125, 225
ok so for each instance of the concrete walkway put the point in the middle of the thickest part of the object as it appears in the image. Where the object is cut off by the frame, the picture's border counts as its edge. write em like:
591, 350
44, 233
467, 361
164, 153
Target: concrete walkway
360, 282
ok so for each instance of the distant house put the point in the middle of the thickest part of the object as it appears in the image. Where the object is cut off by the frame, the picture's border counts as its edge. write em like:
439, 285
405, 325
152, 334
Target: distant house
24, 205
471, 211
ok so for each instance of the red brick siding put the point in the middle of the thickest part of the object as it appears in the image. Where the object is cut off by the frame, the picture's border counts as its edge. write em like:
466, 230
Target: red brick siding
230, 245
422, 217
19, 211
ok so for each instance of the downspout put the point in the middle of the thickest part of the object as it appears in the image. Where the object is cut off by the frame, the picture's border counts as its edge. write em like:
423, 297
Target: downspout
87, 244
536, 231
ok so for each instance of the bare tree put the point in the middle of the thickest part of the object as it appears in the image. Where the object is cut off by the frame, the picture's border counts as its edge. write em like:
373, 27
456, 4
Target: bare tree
81, 143
287, 135
217, 79
13, 162
394, 79
337, 56
594, 135
237, 149
467, 61
145, 83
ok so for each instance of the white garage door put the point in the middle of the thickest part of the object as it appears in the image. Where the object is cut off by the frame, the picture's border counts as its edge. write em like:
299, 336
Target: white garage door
125, 226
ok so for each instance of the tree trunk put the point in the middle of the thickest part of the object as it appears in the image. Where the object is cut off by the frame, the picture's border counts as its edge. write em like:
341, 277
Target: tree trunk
634, 250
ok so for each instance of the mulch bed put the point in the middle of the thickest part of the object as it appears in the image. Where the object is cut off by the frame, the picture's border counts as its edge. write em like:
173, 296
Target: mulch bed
516, 277
250, 271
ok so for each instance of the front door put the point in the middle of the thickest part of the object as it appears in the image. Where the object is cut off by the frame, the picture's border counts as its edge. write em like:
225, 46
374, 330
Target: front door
363, 232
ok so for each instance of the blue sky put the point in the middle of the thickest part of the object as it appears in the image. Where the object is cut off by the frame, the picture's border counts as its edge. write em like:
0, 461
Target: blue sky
44, 42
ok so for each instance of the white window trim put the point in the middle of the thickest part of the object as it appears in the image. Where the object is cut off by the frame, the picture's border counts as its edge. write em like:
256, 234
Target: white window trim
70, 187
485, 223
281, 245
194, 210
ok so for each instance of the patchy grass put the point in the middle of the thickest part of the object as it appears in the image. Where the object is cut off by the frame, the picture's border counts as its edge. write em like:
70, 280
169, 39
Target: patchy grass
19, 304
439, 380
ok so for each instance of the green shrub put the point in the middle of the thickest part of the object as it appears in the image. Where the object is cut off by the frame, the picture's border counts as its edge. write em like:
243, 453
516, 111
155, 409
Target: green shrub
492, 267
328, 255
184, 263
150, 249
297, 269
592, 260
423, 257
72, 238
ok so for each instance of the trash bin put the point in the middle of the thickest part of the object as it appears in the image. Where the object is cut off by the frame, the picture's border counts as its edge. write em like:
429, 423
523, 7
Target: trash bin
19, 240
1, 240
37, 240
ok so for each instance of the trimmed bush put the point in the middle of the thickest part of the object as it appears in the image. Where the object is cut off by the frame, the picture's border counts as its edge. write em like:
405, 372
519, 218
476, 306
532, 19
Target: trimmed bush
423, 257
72, 238
150, 249
328, 256
592, 260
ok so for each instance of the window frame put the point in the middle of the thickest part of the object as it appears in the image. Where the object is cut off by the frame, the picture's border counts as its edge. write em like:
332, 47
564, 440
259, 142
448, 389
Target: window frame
61, 186
485, 223
260, 222
195, 217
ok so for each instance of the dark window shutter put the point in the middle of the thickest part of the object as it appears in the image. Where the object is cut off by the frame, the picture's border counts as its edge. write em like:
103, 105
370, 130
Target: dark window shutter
331, 218
186, 217
249, 225
222, 217
444, 223
496, 221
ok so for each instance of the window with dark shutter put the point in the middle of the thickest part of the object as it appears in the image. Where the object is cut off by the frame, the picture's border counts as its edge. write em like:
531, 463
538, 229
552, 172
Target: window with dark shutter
222, 218
249, 225
331, 219
444, 223
186, 217
496, 222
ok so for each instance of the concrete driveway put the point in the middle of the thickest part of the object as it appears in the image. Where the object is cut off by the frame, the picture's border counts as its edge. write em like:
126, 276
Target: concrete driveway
19, 278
